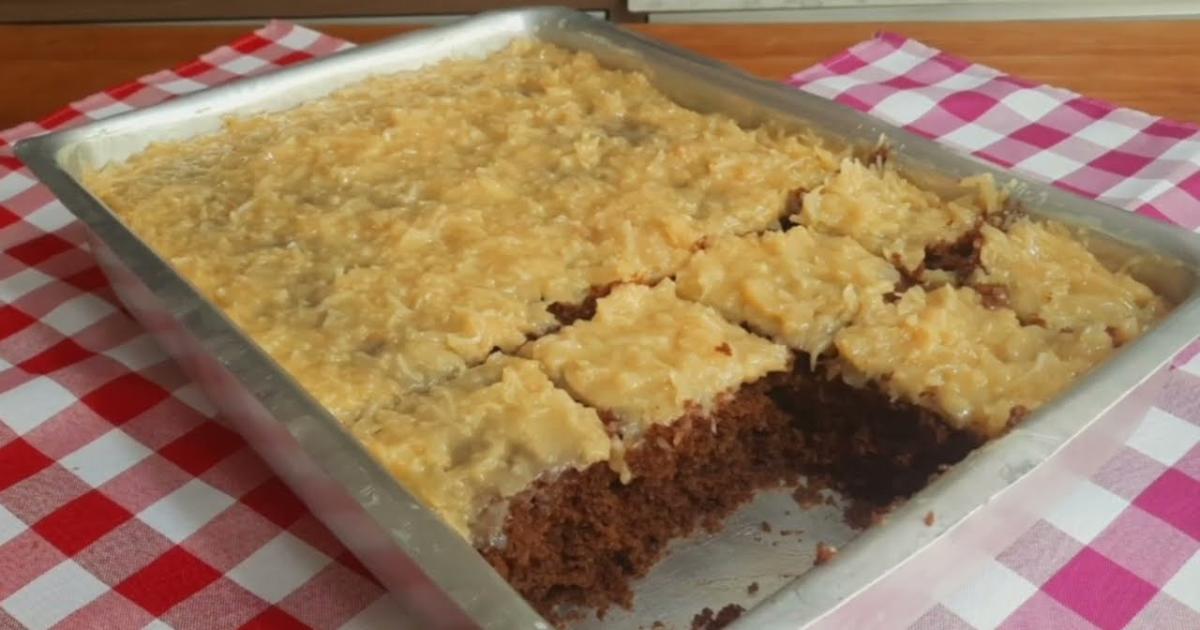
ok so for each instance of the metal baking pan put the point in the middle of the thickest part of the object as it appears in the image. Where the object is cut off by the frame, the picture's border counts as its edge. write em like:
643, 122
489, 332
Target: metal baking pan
436, 574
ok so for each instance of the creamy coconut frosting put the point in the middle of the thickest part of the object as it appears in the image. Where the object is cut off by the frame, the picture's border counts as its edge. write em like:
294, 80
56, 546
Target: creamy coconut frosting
395, 232
800, 287
399, 244
946, 351
1050, 278
648, 356
483, 437
887, 214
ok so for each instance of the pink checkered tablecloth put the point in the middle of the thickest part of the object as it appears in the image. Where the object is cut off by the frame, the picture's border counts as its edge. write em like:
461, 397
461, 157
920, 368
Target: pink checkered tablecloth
1124, 549
124, 504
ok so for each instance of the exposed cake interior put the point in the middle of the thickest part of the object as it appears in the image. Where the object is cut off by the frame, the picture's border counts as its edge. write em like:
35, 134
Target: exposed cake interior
579, 321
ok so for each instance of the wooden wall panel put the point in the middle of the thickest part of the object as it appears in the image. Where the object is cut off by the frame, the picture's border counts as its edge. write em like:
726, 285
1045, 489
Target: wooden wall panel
35, 11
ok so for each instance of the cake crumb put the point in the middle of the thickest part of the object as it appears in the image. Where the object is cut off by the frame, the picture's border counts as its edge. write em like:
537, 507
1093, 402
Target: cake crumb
765, 526
994, 296
752, 589
929, 519
809, 495
1017, 414
825, 553
706, 620
864, 514
725, 349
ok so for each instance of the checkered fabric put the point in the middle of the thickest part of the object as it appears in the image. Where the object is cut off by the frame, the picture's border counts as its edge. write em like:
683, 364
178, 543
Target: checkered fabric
124, 504
1124, 549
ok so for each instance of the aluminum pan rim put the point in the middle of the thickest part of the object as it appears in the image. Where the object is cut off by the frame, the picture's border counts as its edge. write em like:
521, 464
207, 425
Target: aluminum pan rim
823, 588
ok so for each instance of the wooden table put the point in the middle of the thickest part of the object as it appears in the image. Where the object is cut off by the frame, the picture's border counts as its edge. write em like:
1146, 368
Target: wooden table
1143, 65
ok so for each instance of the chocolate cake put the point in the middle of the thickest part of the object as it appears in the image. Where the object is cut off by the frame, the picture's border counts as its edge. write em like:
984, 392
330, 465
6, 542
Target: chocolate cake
579, 321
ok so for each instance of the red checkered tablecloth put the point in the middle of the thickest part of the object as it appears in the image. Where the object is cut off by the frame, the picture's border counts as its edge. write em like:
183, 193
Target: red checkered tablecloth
123, 503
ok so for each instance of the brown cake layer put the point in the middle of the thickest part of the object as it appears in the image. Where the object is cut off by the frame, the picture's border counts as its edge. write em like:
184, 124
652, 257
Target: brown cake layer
578, 541
567, 313
870, 447
960, 258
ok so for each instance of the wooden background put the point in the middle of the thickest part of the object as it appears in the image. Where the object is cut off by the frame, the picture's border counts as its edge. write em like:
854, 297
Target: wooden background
27, 11
1144, 65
